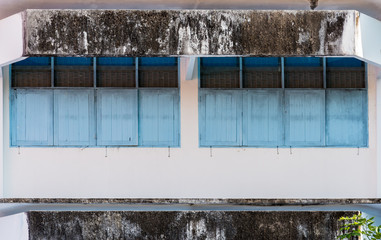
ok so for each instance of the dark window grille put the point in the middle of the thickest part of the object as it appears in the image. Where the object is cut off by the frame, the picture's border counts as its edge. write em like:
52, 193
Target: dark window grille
261, 72
303, 72
219, 72
346, 77
116, 76
73, 72
345, 73
163, 76
304, 77
32, 72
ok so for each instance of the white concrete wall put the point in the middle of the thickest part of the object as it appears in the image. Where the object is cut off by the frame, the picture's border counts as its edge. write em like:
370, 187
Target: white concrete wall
190, 171
14, 227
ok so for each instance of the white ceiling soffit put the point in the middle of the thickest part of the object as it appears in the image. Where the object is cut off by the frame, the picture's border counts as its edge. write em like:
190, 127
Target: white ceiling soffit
189, 33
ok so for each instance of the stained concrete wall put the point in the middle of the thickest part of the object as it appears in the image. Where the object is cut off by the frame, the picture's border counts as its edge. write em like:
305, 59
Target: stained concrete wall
189, 32
185, 225
191, 171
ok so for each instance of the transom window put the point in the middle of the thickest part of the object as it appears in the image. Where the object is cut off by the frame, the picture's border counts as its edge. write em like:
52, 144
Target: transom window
282, 102
73, 101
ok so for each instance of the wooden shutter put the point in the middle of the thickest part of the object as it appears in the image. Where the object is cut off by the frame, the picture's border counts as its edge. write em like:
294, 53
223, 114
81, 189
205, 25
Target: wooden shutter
262, 118
32, 117
220, 117
74, 117
159, 117
117, 117
305, 117
347, 118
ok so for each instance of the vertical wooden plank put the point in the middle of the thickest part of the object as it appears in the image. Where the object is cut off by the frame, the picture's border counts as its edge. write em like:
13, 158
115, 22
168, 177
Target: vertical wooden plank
159, 117
117, 117
262, 118
221, 119
240, 73
95, 71
52, 71
305, 117
74, 119
137, 72
347, 118
324, 72
282, 70
33, 117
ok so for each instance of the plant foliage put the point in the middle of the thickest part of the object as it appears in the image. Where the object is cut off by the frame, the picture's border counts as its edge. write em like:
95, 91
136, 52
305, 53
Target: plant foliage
357, 226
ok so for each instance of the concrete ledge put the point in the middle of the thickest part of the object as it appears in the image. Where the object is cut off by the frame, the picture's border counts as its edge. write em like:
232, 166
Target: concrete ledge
184, 225
193, 201
189, 32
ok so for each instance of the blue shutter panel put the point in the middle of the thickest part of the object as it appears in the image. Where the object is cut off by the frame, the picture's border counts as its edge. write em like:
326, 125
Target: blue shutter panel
32, 117
74, 117
220, 117
347, 118
262, 112
159, 117
305, 117
117, 117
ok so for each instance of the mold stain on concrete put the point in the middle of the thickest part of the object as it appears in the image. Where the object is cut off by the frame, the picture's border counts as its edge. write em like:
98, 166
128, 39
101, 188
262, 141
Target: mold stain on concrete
184, 32
184, 225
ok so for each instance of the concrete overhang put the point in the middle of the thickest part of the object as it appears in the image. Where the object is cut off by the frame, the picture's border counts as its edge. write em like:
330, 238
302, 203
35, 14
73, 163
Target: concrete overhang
189, 33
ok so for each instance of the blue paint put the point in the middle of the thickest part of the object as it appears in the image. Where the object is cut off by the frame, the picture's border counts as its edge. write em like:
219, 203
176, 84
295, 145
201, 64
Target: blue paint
34, 61
116, 61
220, 117
32, 117
220, 61
344, 62
159, 117
158, 61
261, 62
74, 119
304, 117
303, 62
347, 123
74, 61
117, 117
262, 118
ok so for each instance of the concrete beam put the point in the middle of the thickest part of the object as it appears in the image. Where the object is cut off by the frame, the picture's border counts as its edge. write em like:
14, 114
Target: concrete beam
198, 33
189, 32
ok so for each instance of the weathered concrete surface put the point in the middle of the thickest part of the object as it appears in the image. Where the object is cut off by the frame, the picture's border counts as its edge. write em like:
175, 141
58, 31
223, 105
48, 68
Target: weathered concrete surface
195, 201
185, 225
189, 32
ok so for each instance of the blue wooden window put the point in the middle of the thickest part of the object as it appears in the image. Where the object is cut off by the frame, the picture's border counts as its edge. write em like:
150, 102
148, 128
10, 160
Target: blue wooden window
32, 117
343, 62
74, 117
347, 118
158, 61
73, 61
220, 117
34, 61
305, 117
261, 62
116, 61
262, 118
302, 62
159, 117
117, 117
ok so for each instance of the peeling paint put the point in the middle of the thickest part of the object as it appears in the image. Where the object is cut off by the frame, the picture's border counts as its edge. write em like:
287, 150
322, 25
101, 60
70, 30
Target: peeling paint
188, 32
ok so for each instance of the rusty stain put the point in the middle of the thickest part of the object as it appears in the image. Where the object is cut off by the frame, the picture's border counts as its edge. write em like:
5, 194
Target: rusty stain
313, 4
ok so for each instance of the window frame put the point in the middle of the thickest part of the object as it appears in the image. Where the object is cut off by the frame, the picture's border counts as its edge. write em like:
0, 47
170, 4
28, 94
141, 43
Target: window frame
14, 142
323, 90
